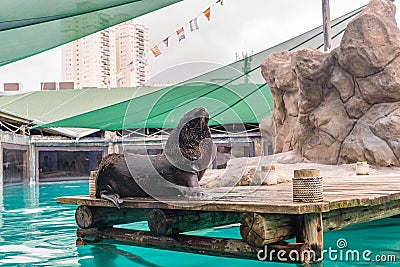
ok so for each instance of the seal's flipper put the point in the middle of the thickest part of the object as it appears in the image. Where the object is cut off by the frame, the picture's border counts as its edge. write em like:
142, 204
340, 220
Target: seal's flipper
112, 197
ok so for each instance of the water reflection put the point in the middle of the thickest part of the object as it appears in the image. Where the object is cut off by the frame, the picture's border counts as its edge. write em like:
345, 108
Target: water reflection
112, 249
35, 228
1, 208
31, 195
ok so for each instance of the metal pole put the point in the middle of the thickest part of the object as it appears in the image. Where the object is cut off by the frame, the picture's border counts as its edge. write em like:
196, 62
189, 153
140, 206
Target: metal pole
326, 17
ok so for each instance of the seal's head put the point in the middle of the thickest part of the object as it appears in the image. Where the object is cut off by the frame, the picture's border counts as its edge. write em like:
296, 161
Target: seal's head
193, 130
189, 146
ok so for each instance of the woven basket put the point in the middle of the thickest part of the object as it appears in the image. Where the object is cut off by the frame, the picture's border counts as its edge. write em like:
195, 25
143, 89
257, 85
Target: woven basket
308, 189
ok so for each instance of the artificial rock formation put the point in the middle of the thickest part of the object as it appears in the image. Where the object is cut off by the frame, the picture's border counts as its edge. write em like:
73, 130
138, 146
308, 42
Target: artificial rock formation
342, 106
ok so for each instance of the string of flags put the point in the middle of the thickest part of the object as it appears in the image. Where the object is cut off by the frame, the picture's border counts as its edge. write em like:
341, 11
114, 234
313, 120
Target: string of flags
193, 26
181, 34
156, 51
119, 75
131, 67
207, 13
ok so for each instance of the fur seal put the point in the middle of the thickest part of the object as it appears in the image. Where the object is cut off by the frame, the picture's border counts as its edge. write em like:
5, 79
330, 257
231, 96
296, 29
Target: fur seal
177, 171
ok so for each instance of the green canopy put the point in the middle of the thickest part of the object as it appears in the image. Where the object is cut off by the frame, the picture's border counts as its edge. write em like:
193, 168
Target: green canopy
40, 107
30, 27
162, 109
233, 94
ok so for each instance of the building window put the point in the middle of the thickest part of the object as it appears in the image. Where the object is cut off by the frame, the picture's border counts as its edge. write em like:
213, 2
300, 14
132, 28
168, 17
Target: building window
15, 164
62, 164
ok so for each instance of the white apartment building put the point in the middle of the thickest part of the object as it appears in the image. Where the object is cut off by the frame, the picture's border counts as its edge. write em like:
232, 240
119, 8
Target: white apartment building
90, 61
132, 44
103, 59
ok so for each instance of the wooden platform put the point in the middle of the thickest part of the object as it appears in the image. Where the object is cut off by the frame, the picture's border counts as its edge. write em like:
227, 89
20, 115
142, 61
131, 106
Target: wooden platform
339, 193
267, 214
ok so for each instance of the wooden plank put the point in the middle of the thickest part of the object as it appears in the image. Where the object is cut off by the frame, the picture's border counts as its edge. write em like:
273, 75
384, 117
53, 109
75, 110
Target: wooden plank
231, 206
248, 205
338, 219
340, 192
174, 222
262, 229
222, 247
362, 202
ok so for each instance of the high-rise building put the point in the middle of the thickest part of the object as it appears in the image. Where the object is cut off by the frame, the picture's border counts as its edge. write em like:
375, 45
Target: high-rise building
132, 44
90, 61
114, 57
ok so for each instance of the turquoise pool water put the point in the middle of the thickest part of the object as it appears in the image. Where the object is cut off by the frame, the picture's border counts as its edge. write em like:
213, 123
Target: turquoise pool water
36, 231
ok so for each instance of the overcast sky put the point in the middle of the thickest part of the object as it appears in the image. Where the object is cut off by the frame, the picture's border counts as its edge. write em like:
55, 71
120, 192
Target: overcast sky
234, 27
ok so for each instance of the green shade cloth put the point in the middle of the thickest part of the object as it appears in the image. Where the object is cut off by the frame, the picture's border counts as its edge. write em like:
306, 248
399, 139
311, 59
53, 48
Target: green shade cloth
233, 94
234, 104
30, 27
40, 107
47, 106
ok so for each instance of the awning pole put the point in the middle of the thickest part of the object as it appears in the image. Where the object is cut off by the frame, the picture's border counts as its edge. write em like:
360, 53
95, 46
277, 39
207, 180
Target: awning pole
326, 17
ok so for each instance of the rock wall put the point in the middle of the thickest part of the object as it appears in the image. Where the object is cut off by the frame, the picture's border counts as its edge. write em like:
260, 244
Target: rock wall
342, 106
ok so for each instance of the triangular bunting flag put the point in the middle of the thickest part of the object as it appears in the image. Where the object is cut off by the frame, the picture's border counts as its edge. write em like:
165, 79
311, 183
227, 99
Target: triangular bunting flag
181, 34
119, 75
207, 13
221, 2
193, 25
165, 41
130, 66
156, 51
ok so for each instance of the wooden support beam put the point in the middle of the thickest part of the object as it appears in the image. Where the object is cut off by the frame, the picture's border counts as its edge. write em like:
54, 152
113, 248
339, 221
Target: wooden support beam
338, 219
90, 217
173, 222
309, 230
261, 229
222, 247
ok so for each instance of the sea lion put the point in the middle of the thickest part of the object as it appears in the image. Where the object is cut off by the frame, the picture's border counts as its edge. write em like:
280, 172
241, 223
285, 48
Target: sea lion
177, 171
